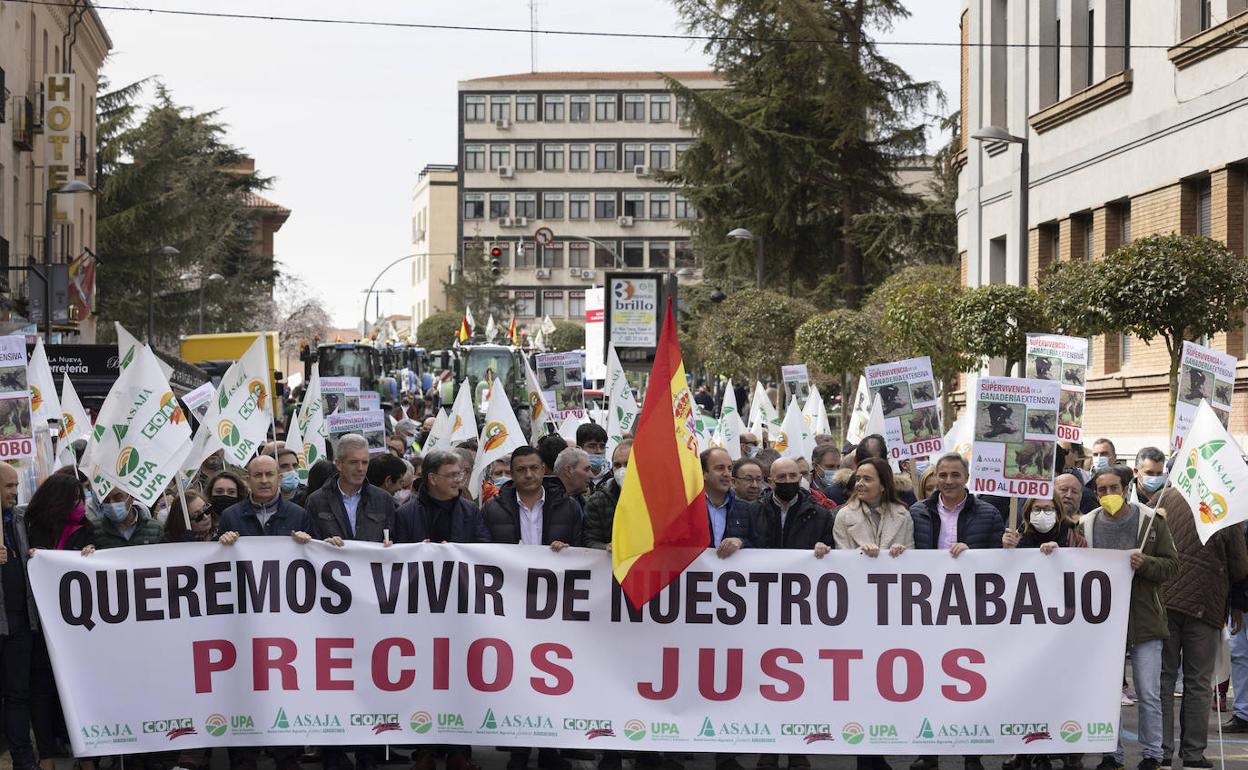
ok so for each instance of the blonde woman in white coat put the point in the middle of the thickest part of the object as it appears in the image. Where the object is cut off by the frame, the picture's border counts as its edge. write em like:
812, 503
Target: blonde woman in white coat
873, 519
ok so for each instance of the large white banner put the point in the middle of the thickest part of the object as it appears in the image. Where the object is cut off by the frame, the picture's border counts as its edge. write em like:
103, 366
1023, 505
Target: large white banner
1064, 359
1206, 374
1015, 436
272, 643
907, 395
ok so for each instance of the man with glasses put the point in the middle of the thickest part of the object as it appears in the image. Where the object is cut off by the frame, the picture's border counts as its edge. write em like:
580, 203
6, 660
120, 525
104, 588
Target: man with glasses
747, 479
749, 444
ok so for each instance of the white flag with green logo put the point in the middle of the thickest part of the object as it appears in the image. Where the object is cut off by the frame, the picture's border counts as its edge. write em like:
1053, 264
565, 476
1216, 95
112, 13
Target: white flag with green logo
439, 435
622, 409
730, 425
540, 420
294, 441
762, 412
75, 423
153, 440
45, 407
311, 422
1210, 473
500, 436
792, 440
243, 410
816, 413
128, 345
463, 420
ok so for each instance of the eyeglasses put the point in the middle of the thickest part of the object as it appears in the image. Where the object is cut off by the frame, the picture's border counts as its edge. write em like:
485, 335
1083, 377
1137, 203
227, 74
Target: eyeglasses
750, 481
456, 476
200, 516
1038, 509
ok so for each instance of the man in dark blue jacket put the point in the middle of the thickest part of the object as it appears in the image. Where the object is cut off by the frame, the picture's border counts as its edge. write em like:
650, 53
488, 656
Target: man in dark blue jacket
732, 521
437, 512
265, 512
953, 520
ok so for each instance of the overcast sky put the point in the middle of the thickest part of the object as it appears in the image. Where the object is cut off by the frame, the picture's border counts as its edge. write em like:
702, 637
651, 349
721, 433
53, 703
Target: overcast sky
344, 117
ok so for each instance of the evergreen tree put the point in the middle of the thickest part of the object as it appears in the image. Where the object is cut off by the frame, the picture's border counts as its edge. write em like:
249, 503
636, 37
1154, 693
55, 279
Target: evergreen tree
480, 287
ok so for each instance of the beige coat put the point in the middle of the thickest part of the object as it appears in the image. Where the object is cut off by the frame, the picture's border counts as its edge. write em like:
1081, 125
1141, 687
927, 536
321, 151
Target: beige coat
853, 529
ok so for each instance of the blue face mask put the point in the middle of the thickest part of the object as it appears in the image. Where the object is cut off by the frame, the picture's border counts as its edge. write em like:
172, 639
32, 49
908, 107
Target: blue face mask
1100, 462
290, 481
1151, 484
115, 512
598, 463
827, 476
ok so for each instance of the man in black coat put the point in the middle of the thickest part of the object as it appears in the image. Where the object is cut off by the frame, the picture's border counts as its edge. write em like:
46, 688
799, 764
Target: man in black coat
265, 511
347, 507
438, 513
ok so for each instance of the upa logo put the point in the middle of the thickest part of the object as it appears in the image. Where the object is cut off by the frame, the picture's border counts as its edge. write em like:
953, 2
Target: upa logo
216, 725
635, 730
421, 722
495, 434
128, 461
664, 730
227, 431
852, 733
1070, 731
1100, 731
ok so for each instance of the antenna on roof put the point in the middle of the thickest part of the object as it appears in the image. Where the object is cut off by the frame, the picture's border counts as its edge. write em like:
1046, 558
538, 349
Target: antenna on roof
532, 35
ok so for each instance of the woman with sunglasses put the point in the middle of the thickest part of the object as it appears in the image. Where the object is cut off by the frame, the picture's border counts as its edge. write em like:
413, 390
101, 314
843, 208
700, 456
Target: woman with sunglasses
200, 514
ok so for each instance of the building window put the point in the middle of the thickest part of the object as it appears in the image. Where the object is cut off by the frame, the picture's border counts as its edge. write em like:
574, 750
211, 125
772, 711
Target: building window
682, 111
526, 157
552, 157
661, 156
1124, 351
604, 157
1206, 14
578, 254
634, 254
526, 205
578, 157
997, 57
526, 108
500, 205
634, 156
1089, 49
500, 156
552, 256
635, 205
474, 206
578, 109
1125, 220
526, 304
500, 108
634, 107
684, 255
474, 109
552, 205
660, 255
578, 206
1204, 209
660, 206
685, 209
576, 304
1050, 52
526, 256
661, 108
552, 108
681, 149
604, 254
604, 107
552, 304
604, 205
474, 157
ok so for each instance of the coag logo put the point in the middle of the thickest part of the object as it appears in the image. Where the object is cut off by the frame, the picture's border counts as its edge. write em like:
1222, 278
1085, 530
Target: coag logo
805, 728
1024, 728
173, 728
782, 443
216, 725
495, 435
128, 461
853, 733
36, 398
1071, 731
459, 423
386, 722
1213, 507
421, 722
635, 730
169, 412
228, 433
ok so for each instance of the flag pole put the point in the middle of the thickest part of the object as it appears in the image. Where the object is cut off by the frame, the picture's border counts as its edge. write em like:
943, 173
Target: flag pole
186, 515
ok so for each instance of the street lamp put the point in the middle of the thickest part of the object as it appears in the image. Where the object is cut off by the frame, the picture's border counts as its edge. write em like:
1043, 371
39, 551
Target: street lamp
73, 186
378, 292
996, 135
742, 234
164, 251
202, 283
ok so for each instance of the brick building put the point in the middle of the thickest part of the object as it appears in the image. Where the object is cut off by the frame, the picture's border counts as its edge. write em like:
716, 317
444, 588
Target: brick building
1134, 127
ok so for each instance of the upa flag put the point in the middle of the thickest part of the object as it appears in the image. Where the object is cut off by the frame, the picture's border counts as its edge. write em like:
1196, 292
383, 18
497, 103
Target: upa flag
44, 405
661, 521
792, 440
311, 421
1210, 473
540, 419
239, 417
730, 425
622, 409
500, 436
463, 420
128, 345
440, 434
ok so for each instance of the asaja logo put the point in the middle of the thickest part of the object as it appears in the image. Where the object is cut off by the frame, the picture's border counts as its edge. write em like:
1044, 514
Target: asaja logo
227, 431
128, 461
281, 722
216, 725
495, 435
925, 730
707, 730
635, 730
1071, 731
129, 357
421, 722
36, 398
853, 733
489, 722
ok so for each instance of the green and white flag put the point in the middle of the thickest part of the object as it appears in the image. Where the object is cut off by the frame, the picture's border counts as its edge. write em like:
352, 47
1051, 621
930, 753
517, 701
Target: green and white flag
816, 413
311, 422
762, 412
439, 435
792, 440
730, 425
75, 424
1211, 474
622, 409
463, 419
128, 345
540, 419
239, 417
45, 407
500, 436
294, 441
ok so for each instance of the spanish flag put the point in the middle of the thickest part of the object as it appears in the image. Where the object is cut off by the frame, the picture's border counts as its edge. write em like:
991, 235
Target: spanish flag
661, 522
465, 325
512, 332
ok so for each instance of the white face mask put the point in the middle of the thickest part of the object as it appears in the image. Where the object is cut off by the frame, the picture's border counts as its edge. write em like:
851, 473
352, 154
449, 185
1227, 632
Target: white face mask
804, 483
402, 496
618, 474
1043, 520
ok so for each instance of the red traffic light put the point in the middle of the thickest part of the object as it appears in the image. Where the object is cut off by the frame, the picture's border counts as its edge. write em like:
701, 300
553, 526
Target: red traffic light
496, 252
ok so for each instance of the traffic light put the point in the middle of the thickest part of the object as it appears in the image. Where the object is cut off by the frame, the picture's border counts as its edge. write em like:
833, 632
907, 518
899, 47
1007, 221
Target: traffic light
496, 264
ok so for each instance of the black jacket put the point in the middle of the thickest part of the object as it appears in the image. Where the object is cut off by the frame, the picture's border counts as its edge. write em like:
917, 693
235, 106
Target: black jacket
600, 515
741, 522
979, 524
561, 516
373, 516
807, 523
414, 521
241, 518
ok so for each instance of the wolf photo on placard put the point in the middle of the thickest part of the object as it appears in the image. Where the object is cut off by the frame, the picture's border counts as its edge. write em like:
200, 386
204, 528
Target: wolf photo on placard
1071, 408
13, 378
894, 398
376, 439
1041, 421
329, 402
15, 417
1029, 460
1043, 367
550, 377
1074, 374
921, 392
999, 422
921, 424
1195, 384
572, 376
1222, 391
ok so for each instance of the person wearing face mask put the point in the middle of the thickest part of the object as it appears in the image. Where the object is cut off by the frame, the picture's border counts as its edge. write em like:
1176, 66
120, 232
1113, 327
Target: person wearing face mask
749, 444
385, 471
1150, 476
600, 507
1046, 525
821, 500
223, 490
1104, 455
592, 438
288, 470
1135, 527
125, 522
1196, 601
264, 511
